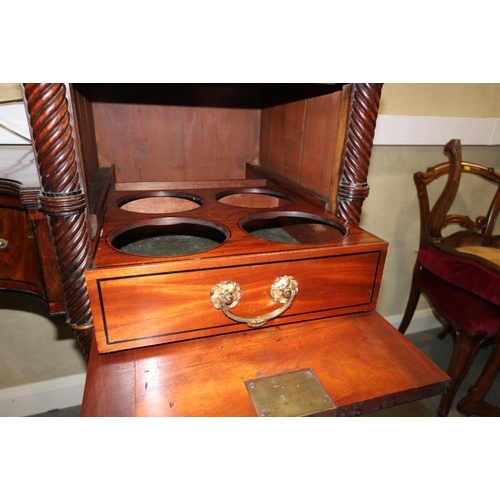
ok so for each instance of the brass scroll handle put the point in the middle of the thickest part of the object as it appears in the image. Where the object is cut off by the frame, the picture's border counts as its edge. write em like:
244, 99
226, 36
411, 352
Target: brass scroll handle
227, 294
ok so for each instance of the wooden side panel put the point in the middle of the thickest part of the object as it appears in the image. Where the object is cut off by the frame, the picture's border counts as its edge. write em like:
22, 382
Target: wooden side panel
174, 143
298, 141
344, 99
85, 126
281, 139
318, 148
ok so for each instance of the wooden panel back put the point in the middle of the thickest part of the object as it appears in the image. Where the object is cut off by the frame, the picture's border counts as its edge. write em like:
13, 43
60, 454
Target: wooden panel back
149, 142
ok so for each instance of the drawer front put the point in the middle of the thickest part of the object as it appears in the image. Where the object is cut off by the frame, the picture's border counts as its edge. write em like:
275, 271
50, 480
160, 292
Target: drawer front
153, 309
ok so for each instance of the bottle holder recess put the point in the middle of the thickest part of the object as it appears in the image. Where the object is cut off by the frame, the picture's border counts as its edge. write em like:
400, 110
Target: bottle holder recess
146, 224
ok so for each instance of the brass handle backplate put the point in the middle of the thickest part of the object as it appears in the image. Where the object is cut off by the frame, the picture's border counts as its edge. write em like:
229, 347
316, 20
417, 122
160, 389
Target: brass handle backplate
227, 294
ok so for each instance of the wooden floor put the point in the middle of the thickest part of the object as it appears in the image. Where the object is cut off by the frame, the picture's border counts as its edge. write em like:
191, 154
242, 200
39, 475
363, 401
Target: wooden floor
439, 350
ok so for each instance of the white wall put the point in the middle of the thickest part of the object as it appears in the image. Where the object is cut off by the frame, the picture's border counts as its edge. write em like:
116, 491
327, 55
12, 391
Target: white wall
391, 210
414, 124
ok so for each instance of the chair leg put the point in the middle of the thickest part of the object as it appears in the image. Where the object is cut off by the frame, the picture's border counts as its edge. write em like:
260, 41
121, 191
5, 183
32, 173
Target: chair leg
412, 300
464, 352
472, 403
445, 331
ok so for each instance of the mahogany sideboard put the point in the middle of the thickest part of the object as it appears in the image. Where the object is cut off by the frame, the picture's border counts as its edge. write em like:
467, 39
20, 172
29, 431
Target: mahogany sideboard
155, 199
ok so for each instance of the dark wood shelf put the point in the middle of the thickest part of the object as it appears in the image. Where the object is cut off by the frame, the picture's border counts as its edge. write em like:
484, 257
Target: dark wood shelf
243, 95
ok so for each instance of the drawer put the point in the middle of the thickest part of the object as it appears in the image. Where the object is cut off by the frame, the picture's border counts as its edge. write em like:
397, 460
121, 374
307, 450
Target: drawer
140, 310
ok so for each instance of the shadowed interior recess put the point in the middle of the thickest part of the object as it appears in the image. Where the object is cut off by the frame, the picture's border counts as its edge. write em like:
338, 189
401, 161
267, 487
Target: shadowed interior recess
169, 238
295, 228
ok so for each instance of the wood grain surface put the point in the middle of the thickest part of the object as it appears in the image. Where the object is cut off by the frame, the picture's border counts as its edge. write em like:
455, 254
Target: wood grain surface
363, 363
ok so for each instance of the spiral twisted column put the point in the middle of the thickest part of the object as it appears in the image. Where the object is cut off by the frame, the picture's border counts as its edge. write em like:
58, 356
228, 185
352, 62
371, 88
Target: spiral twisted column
361, 120
62, 198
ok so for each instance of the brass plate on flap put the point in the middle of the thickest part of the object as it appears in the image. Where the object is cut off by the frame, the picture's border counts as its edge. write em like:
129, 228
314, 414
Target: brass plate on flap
295, 394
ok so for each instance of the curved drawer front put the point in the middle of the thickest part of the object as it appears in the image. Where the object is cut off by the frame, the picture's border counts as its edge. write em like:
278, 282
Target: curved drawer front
151, 309
19, 262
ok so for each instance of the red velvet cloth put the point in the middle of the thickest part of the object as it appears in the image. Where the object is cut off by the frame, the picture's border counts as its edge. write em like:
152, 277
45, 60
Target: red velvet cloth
462, 309
462, 272
464, 292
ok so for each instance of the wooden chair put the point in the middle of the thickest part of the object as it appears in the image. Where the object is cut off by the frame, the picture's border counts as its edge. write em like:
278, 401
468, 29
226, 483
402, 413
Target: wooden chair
460, 275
